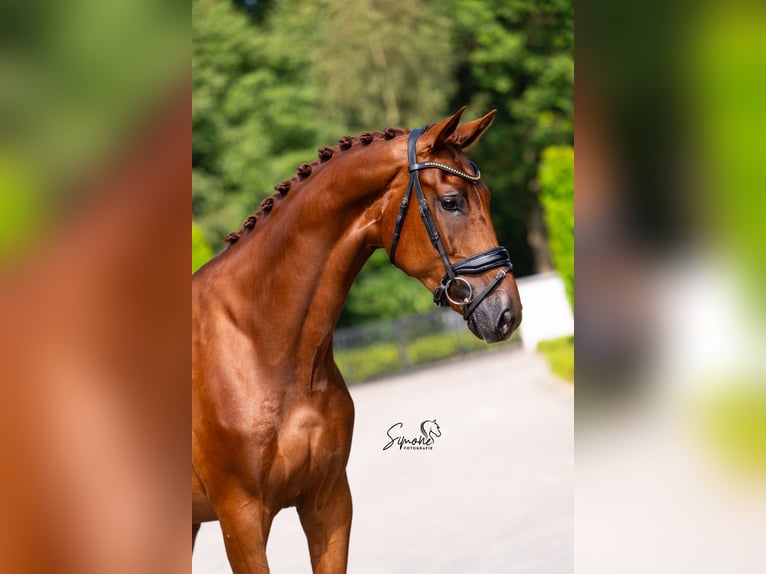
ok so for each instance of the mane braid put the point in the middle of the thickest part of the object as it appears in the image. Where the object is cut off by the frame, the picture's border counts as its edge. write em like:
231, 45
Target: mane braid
303, 172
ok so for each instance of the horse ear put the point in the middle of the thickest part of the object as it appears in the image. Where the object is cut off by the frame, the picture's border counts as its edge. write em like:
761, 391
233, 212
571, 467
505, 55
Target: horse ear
444, 130
468, 134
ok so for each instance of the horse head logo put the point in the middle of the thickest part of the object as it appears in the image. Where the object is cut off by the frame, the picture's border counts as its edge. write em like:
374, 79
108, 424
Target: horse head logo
430, 429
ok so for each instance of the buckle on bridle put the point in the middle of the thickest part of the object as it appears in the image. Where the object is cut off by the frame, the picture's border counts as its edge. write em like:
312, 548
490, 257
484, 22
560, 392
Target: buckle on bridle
442, 292
469, 303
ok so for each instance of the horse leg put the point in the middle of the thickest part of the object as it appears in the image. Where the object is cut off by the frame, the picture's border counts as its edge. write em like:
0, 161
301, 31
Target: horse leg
245, 523
328, 529
195, 529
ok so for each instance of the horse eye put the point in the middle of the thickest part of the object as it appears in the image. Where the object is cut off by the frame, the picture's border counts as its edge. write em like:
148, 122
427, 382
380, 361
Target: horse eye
448, 204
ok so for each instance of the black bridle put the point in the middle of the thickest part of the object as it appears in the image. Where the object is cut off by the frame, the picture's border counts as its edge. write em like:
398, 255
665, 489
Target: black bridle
474, 265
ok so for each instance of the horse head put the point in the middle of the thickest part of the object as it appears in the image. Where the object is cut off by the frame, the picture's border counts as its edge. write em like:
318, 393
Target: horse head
452, 247
429, 428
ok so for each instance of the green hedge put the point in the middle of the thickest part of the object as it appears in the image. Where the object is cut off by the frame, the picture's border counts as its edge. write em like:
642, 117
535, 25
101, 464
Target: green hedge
560, 356
389, 358
201, 251
368, 362
731, 415
556, 177
442, 346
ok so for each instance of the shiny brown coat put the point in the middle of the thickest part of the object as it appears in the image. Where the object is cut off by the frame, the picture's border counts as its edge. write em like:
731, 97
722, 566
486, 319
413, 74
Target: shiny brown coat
272, 418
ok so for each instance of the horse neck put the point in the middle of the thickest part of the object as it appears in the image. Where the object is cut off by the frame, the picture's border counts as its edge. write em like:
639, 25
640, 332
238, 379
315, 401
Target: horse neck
286, 282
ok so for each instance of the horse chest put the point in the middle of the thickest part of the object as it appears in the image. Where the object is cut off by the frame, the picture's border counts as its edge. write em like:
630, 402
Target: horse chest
312, 443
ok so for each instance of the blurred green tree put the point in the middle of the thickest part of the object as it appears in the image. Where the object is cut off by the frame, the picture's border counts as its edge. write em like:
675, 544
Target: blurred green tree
267, 93
252, 119
517, 56
379, 63
382, 291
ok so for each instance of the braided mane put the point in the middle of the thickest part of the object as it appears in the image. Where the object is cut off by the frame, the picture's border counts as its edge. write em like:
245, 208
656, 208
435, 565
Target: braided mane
304, 170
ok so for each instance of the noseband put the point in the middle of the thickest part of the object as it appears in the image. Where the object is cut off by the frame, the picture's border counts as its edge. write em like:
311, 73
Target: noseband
474, 265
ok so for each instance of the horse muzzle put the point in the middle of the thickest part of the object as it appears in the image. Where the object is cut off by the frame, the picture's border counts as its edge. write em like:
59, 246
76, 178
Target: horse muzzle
492, 314
497, 317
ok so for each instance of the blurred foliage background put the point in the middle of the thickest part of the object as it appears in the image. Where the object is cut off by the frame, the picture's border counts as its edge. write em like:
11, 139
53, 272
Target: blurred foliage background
77, 79
557, 197
275, 79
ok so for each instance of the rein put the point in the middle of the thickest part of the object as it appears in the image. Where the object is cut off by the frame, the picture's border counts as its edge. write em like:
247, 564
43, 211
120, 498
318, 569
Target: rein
475, 265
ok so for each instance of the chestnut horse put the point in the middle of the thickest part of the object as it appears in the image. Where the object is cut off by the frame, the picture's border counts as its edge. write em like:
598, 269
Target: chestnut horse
272, 417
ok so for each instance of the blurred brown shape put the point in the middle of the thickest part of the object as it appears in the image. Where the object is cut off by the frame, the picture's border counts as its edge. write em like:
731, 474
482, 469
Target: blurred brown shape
94, 368
614, 314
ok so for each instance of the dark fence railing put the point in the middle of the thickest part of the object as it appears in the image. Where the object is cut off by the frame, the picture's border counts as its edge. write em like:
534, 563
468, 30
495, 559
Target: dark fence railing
397, 345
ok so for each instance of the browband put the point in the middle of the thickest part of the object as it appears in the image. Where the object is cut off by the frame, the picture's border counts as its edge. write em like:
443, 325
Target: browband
449, 169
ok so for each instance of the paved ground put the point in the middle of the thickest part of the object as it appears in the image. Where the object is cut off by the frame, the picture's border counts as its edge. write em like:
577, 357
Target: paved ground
494, 495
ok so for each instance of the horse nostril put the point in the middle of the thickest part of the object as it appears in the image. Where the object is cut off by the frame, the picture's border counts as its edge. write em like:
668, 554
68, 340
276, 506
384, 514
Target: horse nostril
505, 323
